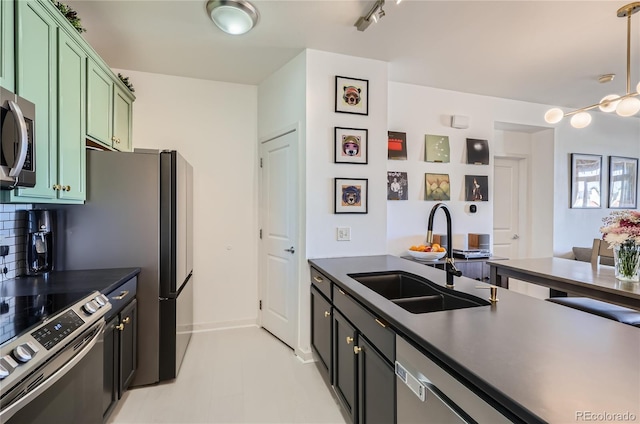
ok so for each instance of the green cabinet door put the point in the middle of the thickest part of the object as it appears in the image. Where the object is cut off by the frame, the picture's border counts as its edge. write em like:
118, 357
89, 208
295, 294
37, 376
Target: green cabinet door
36, 65
122, 114
71, 124
7, 51
99, 104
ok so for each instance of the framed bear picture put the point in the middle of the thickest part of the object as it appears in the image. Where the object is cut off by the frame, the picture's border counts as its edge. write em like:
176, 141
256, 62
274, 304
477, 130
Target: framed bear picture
351, 195
352, 95
350, 145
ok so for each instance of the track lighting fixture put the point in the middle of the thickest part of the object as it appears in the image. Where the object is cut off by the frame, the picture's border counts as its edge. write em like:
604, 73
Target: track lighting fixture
625, 105
375, 14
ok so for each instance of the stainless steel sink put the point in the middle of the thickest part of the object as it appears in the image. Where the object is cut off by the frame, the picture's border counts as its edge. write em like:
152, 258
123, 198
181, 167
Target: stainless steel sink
416, 294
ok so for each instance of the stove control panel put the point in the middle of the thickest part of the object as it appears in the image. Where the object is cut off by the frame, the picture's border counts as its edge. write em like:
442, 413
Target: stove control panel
24, 352
57, 329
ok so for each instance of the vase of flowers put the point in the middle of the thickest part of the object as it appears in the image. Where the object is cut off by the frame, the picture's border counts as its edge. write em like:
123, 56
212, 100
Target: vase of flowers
622, 231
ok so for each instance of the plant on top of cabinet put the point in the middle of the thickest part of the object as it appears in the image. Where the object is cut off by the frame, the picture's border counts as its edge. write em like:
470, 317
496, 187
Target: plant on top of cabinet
71, 15
125, 81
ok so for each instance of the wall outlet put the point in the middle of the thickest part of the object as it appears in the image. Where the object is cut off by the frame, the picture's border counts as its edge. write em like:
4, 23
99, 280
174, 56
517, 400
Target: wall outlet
344, 233
4, 251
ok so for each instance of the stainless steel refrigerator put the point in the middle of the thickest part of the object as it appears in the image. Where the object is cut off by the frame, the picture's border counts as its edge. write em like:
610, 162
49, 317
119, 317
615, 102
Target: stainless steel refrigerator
139, 213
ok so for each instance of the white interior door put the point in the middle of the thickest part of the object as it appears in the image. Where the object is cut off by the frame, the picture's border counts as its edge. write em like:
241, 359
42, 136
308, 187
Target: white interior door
507, 241
279, 224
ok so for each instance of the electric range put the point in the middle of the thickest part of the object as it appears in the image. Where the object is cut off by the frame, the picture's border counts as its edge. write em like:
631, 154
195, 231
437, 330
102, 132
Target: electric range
42, 333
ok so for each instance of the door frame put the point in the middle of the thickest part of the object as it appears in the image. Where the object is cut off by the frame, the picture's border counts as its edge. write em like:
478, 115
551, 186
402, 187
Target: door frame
523, 200
300, 238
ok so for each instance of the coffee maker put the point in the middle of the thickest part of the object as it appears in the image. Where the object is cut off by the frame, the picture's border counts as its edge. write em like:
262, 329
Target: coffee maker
39, 241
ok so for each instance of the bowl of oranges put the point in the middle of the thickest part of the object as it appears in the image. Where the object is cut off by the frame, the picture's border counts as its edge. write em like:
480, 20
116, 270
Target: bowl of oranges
427, 253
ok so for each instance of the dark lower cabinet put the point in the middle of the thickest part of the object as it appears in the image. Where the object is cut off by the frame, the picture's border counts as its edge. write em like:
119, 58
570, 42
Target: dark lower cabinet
120, 355
377, 386
128, 345
344, 363
355, 352
321, 332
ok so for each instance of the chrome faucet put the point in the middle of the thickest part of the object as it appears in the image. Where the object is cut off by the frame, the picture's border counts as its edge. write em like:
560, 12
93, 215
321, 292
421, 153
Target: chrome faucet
450, 268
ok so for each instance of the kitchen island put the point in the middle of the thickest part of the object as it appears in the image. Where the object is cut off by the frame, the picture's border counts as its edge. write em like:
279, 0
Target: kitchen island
534, 360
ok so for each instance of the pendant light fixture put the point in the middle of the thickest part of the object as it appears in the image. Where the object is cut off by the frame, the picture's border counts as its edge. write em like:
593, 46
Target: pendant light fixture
234, 17
626, 105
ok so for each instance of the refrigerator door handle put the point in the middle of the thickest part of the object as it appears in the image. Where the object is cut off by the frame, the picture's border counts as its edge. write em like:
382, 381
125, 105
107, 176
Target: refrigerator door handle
174, 295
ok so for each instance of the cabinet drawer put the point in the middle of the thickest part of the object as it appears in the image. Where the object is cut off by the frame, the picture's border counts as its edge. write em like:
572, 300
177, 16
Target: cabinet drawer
373, 328
122, 296
321, 282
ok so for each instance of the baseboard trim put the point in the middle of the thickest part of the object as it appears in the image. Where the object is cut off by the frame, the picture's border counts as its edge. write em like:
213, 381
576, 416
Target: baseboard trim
224, 325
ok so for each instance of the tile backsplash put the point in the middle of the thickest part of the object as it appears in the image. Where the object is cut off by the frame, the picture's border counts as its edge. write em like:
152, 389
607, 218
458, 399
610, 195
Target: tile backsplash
12, 234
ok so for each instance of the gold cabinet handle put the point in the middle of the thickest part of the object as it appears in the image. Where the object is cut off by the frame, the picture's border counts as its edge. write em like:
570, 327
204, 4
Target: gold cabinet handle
66, 188
126, 320
341, 292
349, 340
327, 314
318, 279
120, 327
122, 295
356, 349
117, 140
113, 138
57, 187
381, 323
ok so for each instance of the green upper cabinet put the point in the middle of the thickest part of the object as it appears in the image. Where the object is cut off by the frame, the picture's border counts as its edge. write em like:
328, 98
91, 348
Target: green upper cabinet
122, 117
51, 73
36, 74
71, 123
7, 63
99, 104
109, 111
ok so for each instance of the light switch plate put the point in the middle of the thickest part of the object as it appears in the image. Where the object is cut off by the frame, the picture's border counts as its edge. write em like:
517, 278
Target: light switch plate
344, 233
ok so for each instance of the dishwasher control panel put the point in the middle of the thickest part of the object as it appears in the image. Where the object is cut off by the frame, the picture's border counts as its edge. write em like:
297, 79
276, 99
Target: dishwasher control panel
412, 382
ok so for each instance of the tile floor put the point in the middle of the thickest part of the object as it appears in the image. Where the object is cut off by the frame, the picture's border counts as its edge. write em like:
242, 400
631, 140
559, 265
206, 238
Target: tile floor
242, 375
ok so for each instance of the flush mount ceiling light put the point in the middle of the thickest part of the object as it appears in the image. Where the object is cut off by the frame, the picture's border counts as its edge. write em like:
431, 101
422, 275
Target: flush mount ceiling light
626, 105
233, 16
375, 14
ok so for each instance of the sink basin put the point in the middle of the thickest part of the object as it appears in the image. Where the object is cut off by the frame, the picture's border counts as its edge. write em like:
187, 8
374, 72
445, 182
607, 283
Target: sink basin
416, 294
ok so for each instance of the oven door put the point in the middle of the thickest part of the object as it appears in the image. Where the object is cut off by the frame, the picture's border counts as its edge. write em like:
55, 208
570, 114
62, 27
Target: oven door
72, 393
17, 159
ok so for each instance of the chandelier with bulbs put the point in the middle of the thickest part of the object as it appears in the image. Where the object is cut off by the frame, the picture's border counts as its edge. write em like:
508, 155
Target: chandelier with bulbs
625, 105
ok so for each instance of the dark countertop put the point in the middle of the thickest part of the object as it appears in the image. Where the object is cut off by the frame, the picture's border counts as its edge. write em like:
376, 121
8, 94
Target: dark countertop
102, 280
543, 362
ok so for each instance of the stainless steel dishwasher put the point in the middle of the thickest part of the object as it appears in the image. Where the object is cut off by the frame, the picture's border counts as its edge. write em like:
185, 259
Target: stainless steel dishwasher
428, 394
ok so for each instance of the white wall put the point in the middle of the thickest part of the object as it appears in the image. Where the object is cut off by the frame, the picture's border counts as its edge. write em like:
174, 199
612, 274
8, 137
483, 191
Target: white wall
607, 135
214, 126
419, 111
368, 231
282, 106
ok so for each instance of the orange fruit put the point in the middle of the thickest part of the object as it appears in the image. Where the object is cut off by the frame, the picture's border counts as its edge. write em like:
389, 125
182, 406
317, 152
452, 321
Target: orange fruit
435, 247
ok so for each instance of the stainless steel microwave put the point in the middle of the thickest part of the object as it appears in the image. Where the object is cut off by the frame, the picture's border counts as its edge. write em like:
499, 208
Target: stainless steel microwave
17, 144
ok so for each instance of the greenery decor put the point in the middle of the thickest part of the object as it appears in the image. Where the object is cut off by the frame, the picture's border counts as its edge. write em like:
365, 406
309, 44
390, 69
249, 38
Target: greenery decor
71, 15
126, 82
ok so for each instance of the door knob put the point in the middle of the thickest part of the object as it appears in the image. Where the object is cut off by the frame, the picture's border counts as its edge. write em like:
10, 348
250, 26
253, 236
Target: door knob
290, 250
515, 237
356, 349
120, 327
349, 340
327, 314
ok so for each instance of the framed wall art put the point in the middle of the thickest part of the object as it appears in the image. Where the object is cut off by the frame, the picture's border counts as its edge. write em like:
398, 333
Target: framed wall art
397, 145
477, 151
352, 95
623, 182
476, 188
350, 145
437, 187
397, 186
436, 148
586, 181
351, 195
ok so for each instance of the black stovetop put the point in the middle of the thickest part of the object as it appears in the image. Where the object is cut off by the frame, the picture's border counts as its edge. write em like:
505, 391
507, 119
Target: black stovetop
20, 313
